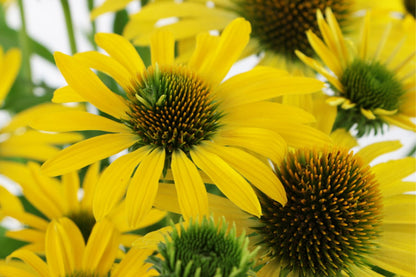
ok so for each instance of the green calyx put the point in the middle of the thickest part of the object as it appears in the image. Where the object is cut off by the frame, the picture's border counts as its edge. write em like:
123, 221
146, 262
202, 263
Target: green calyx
204, 249
332, 216
370, 86
85, 221
172, 108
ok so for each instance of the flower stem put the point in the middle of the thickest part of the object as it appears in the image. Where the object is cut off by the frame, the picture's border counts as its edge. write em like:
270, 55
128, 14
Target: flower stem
69, 26
25, 45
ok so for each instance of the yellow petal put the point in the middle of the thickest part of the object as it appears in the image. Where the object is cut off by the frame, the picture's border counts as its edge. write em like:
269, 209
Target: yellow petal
77, 121
86, 152
122, 51
71, 186
9, 70
32, 260
263, 83
101, 248
372, 151
90, 87
205, 45
109, 6
107, 65
67, 94
298, 135
231, 183
254, 170
143, 186
232, 42
133, 264
162, 48
400, 120
64, 247
394, 170
192, 195
89, 184
262, 141
113, 181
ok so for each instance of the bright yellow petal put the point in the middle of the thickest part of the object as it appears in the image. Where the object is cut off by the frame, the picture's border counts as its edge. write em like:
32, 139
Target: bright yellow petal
77, 121
32, 260
133, 264
162, 48
109, 6
372, 151
343, 138
254, 170
143, 186
8, 70
107, 65
231, 183
9, 201
262, 141
28, 235
101, 248
67, 94
71, 186
232, 42
90, 87
192, 195
394, 170
298, 135
122, 51
113, 182
89, 184
64, 247
263, 83
205, 45
86, 152
400, 120
397, 188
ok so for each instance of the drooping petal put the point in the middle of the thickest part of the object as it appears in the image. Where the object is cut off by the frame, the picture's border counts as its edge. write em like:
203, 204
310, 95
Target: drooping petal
32, 260
192, 195
113, 182
372, 151
231, 183
143, 186
86, 152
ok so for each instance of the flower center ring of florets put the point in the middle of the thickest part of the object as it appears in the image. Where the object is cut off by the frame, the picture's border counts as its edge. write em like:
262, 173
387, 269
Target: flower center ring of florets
280, 25
172, 108
331, 217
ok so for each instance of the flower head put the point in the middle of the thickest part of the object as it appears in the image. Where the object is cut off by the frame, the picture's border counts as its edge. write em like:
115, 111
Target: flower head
180, 119
68, 255
56, 199
371, 88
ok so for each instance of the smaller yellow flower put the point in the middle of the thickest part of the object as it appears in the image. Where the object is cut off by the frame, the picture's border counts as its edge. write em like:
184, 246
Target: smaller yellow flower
56, 199
68, 255
371, 88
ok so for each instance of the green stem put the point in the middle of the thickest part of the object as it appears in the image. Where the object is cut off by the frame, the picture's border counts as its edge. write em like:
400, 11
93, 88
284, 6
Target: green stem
69, 26
93, 25
25, 45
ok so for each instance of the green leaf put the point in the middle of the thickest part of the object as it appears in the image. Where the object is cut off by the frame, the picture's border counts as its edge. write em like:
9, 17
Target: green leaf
120, 21
8, 245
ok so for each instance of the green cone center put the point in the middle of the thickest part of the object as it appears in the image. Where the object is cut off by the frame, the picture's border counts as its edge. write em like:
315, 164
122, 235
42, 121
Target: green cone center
280, 25
371, 85
332, 215
204, 249
172, 108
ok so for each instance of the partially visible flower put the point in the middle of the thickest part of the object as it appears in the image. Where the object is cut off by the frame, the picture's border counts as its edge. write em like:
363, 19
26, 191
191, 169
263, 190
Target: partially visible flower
183, 118
371, 88
279, 26
18, 142
405, 7
55, 199
342, 218
68, 255
202, 247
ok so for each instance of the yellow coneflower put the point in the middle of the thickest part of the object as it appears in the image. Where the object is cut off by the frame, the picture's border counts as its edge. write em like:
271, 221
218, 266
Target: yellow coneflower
55, 199
68, 255
180, 117
342, 218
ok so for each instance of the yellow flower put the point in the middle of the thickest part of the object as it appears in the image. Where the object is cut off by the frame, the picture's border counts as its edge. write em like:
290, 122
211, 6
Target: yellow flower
180, 117
406, 7
55, 199
17, 140
278, 26
371, 87
342, 218
68, 255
